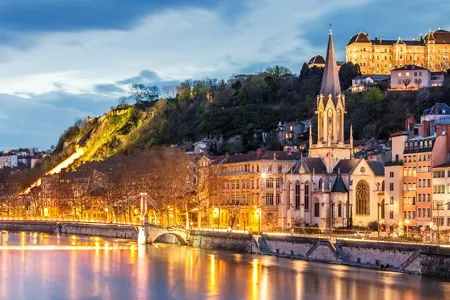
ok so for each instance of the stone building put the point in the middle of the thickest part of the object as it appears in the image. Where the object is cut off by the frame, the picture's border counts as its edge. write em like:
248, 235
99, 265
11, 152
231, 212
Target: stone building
416, 176
250, 187
330, 188
380, 56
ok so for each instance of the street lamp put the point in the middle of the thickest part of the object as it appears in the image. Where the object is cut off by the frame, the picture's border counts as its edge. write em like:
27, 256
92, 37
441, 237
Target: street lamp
258, 212
439, 220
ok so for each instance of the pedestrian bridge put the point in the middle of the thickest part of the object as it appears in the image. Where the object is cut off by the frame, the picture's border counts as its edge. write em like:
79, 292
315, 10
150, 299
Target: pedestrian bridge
153, 232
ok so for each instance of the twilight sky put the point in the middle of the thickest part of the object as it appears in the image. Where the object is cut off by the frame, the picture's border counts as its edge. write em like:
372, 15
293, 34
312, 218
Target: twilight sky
64, 59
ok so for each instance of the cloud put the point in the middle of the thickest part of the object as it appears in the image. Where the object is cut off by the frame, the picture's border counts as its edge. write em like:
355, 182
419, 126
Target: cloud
80, 58
108, 89
40, 120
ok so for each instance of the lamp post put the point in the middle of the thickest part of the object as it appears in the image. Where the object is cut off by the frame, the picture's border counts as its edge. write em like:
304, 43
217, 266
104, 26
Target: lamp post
439, 220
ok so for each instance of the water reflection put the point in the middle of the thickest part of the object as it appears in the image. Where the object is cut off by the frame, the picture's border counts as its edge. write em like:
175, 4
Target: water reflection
42, 266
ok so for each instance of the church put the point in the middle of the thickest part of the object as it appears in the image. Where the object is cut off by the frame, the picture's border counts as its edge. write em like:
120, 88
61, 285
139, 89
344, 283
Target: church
330, 188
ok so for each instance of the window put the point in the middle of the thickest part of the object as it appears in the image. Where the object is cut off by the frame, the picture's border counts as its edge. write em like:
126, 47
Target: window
391, 200
391, 174
317, 209
280, 169
307, 195
279, 182
269, 199
297, 195
391, 214
339, 207
320, 184
278, 198
269, 183
362, 198
391, 186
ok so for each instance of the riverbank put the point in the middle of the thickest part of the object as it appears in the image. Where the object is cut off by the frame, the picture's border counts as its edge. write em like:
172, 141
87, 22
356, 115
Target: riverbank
398, 257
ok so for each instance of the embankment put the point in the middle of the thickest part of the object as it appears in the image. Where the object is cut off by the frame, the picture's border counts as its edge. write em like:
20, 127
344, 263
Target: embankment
398, 257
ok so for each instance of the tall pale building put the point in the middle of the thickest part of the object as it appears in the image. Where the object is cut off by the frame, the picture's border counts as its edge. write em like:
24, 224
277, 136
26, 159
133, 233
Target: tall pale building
380, 56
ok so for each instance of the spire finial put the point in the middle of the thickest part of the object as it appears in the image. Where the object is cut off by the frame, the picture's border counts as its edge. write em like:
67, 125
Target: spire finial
310, 136
331, 28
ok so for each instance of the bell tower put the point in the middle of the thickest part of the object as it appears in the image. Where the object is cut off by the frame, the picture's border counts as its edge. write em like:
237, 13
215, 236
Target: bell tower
330, 115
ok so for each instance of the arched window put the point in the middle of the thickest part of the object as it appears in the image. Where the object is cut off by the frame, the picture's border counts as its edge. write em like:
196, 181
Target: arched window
382, 185
330, 124
316, 208
362, 198
338, 123
307, 195
320, 184
297, 195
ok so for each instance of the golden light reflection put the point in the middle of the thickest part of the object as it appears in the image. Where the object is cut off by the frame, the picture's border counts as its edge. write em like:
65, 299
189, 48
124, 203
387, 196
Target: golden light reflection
255, 278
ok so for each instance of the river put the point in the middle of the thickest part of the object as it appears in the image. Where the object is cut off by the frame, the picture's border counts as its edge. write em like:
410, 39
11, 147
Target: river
44, 266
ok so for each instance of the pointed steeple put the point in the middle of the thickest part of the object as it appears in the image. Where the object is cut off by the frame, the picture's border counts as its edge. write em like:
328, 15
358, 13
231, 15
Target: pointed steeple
330, 80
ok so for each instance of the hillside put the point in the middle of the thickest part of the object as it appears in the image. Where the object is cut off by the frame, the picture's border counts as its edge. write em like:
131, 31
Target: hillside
239, 107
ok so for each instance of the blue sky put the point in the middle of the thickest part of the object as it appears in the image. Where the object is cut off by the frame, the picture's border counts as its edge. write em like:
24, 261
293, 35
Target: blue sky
65, 59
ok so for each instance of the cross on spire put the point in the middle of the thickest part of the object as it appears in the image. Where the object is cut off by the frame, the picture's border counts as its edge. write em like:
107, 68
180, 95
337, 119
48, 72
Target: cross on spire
331, 28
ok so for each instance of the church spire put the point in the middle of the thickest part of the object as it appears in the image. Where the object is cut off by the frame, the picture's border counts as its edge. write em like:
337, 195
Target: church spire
330, 79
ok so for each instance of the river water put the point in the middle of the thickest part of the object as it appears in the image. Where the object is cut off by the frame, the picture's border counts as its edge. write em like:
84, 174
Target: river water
43, 266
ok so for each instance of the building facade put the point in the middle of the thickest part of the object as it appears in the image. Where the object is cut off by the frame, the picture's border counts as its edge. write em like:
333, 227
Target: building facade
380, 56
416, 178
410, 77
8, 161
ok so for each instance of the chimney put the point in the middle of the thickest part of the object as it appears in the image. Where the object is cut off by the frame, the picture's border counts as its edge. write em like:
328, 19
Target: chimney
259, 152
436, 109
381, 40
426, 128
289, 151
410, 121
275, 156
227, 155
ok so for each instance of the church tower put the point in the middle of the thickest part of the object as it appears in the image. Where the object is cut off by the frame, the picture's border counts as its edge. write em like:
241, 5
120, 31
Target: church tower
330, 113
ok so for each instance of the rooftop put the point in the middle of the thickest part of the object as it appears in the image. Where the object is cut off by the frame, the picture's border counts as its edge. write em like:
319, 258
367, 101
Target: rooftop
410, 67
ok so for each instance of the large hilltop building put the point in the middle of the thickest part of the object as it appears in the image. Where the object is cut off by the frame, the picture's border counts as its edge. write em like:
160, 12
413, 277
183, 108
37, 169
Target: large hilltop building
380, 56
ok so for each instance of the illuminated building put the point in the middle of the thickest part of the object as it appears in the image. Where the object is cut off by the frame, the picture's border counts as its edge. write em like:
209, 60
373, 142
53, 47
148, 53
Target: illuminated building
380, 56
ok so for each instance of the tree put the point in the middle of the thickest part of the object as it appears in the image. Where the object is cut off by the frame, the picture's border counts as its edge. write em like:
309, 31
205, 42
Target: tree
406, 82
253, 90
141, 93
347, 72
274, 145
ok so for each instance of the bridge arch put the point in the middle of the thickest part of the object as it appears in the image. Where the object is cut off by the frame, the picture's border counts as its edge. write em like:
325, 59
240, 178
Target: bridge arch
179, 238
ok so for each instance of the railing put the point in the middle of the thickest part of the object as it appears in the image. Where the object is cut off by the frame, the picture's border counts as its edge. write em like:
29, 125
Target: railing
65, 219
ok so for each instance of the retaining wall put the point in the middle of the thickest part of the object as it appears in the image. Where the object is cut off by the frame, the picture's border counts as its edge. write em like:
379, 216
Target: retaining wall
28, 226
407, 258
103, 230
238, 242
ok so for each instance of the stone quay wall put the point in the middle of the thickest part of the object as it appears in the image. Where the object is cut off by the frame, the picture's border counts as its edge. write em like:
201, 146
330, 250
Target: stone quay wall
103, 230
398, 257
93, 229
39, 226
231, 241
